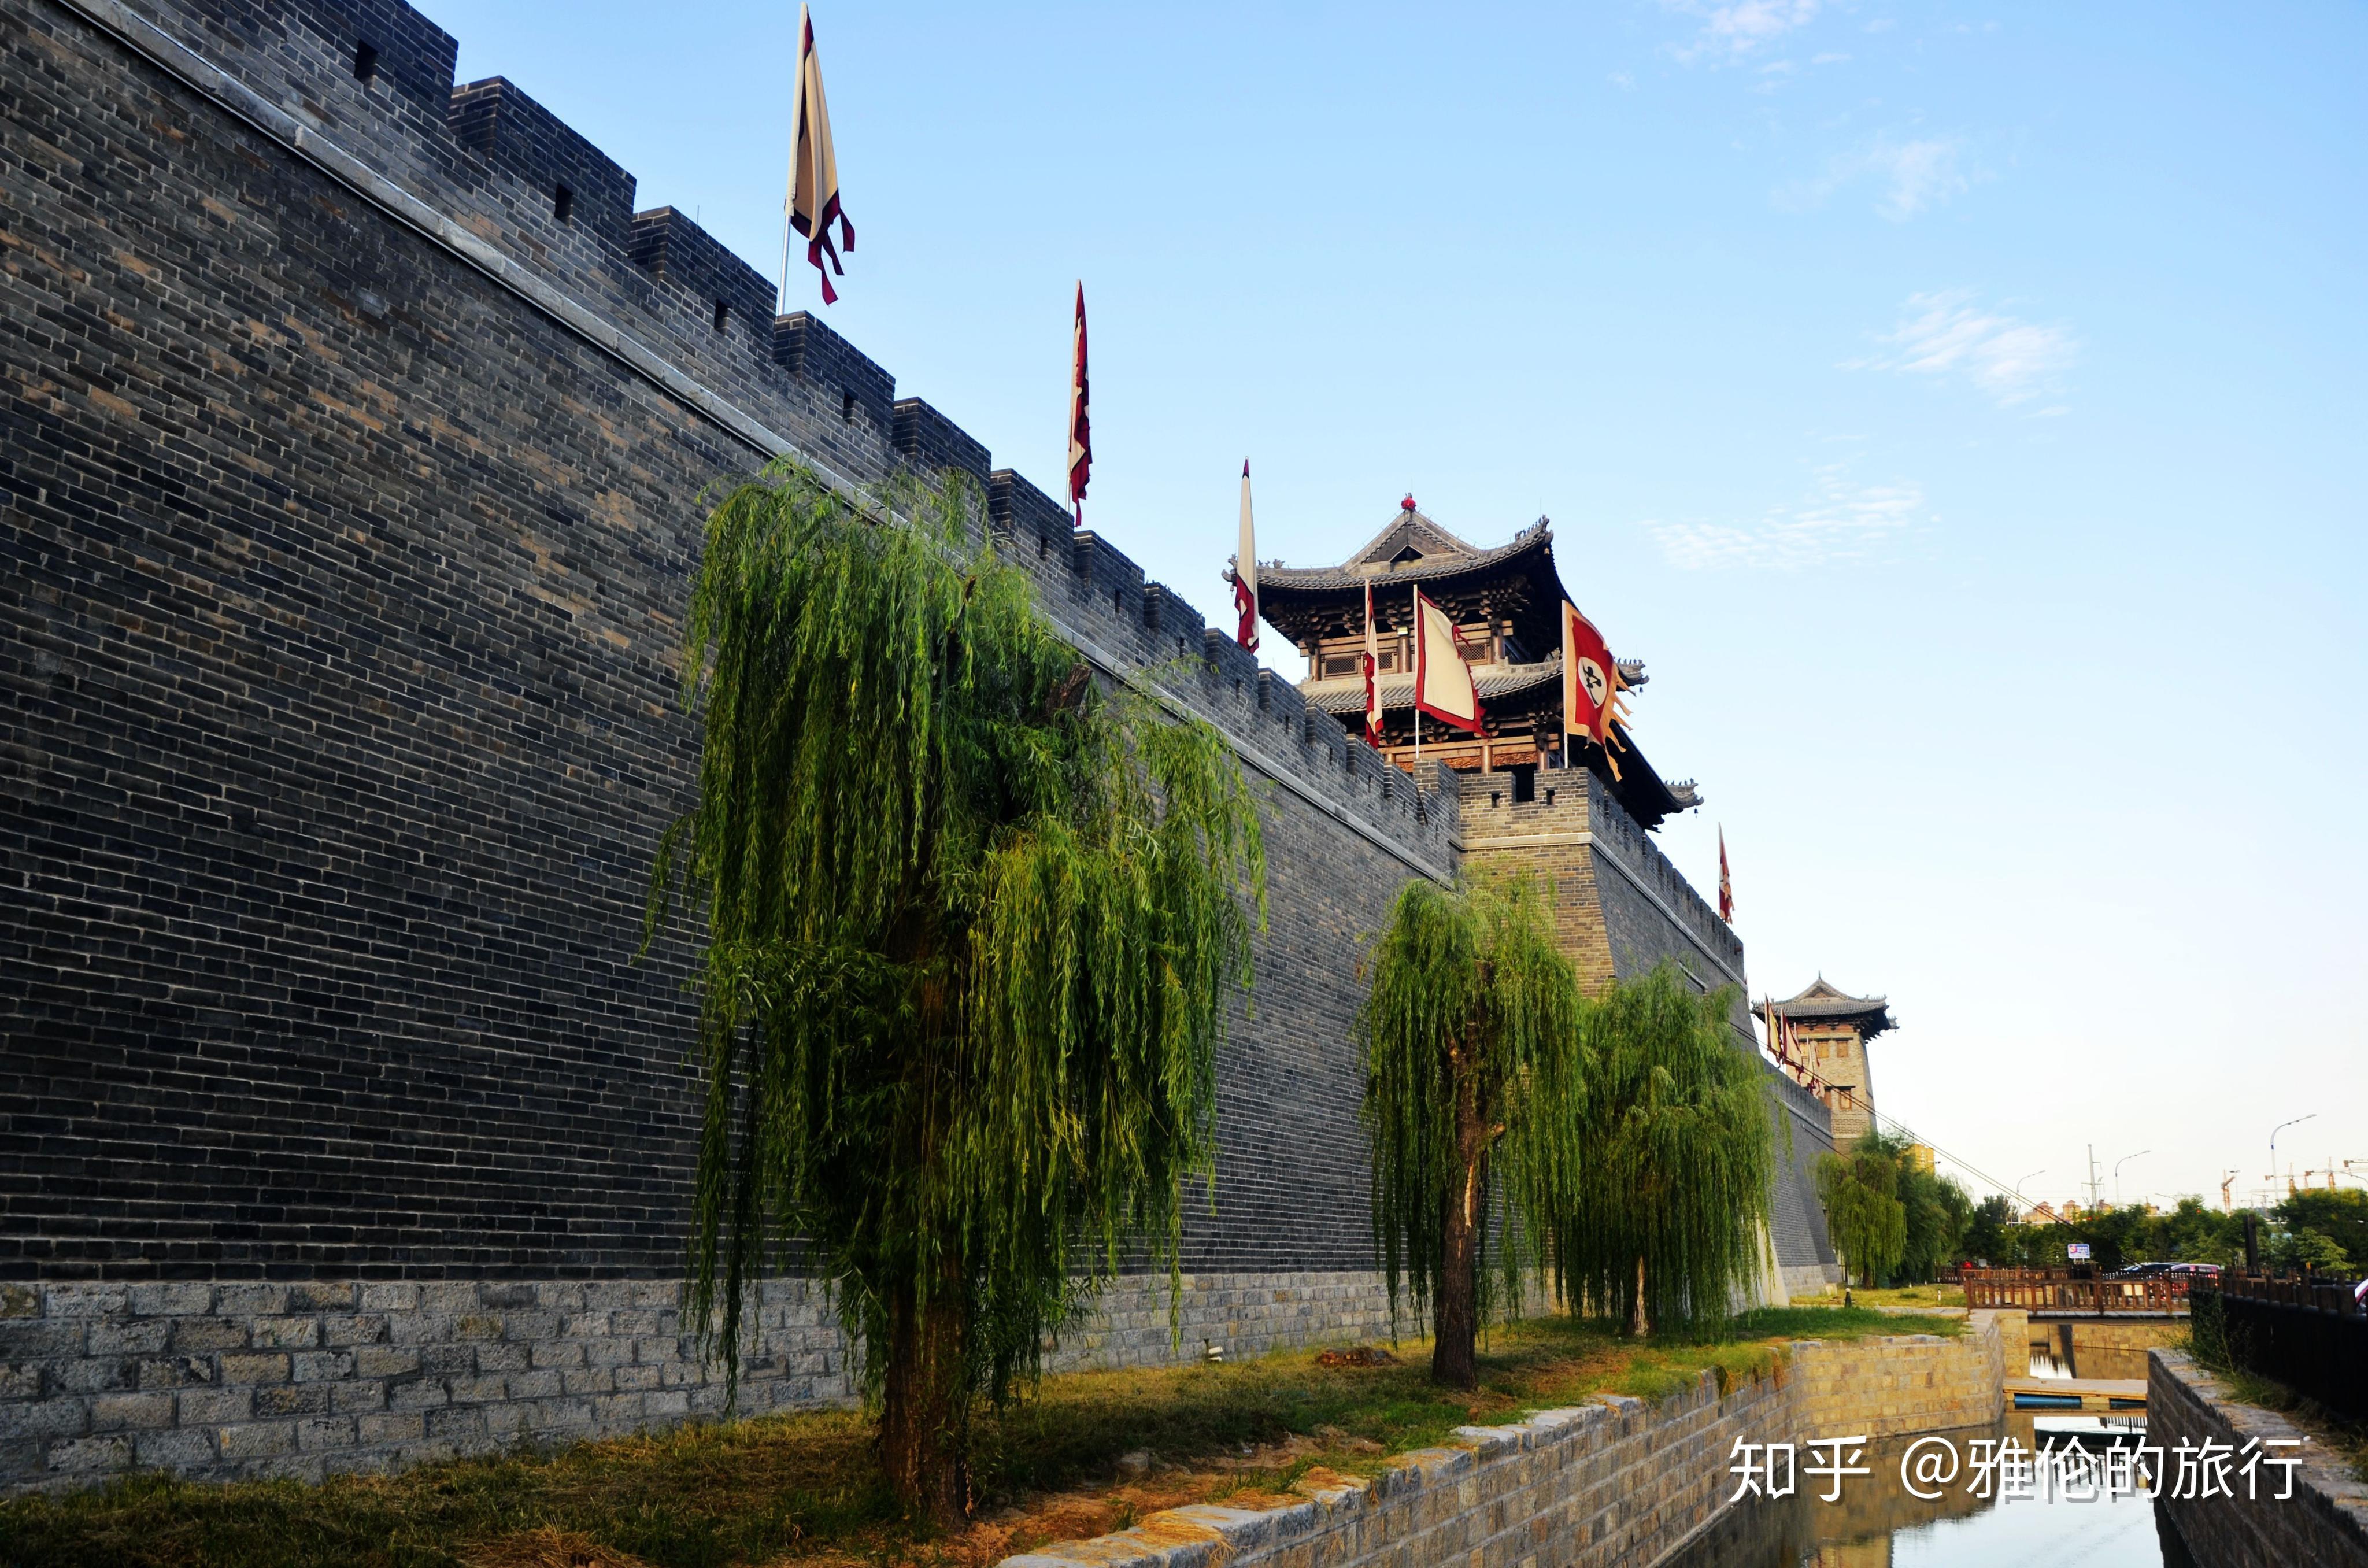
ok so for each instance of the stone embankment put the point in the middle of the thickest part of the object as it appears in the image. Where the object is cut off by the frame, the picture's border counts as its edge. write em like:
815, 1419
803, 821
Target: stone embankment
1617, 1480
2323, 1523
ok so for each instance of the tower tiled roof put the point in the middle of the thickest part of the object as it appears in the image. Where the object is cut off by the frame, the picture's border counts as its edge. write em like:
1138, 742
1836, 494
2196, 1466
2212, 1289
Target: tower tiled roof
1411, 548
1823, 1002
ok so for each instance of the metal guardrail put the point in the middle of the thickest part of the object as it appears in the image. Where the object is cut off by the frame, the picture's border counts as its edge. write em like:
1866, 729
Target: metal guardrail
2331, 1296
2058, 1290
2309, 1334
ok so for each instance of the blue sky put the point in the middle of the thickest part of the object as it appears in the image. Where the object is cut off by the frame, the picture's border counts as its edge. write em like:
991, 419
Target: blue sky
1959, 407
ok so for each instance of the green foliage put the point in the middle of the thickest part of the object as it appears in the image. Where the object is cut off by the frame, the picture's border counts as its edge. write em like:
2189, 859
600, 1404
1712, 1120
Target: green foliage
1864, 1213
2192, 1232
1469, 991
2339, 1218
1678, 1160
1937, 1211
2305, 1248
1986, 1236
969, 929
1937, 1221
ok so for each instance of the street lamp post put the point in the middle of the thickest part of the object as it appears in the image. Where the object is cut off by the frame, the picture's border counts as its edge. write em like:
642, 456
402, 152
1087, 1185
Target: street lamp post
2281, 1127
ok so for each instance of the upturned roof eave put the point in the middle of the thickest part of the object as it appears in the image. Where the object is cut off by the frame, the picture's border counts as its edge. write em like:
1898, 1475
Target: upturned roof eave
1324, 581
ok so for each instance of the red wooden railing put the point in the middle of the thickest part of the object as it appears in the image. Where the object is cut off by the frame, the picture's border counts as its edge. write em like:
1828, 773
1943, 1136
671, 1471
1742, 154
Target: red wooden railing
2058, 1290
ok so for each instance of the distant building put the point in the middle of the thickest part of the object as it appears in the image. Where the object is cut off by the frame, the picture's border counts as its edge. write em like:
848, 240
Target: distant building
1919, 1157
1832, 1029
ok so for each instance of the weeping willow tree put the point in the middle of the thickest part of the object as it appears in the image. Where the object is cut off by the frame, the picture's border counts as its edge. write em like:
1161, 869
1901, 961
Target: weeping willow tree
1674, 1195
1864, 1215
1474, 1080
969, 926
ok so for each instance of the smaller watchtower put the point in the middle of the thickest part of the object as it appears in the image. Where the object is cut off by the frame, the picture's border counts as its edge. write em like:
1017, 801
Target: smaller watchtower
1832, 1029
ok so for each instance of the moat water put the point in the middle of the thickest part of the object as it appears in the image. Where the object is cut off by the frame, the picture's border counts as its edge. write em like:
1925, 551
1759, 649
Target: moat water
1878, 1523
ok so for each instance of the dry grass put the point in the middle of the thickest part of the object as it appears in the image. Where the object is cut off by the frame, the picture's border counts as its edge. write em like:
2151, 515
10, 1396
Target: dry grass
1092, 1453
1898, 1296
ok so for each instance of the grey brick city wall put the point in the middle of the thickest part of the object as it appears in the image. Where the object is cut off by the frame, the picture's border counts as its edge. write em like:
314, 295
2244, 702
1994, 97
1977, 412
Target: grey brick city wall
340, 635
356, 430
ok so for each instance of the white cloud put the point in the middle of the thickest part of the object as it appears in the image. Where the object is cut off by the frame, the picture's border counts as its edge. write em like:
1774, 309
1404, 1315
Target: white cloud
1733, 30
2014, 361
1839, 519
1915, 175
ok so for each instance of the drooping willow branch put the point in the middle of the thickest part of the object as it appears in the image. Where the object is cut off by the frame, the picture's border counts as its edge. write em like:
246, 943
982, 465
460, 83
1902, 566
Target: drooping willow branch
1475, 1083
1674, 1195
967, 926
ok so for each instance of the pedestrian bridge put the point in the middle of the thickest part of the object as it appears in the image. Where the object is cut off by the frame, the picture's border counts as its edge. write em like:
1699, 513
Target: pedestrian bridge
2055, 1292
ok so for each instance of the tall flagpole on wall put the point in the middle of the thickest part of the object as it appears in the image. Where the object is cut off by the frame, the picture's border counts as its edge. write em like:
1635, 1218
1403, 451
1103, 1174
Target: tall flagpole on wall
1417, 603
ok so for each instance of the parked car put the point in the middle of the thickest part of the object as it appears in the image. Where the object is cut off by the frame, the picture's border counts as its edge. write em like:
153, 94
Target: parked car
2193, 1271
2142, 1271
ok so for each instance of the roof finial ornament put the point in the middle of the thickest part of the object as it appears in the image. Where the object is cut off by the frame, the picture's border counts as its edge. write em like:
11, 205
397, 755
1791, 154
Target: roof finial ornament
1406, 505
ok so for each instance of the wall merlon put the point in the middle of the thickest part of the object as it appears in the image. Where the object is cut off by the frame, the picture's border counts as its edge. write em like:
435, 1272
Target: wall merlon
671, 246
1026, 516
806, 347
495, 120
929, 442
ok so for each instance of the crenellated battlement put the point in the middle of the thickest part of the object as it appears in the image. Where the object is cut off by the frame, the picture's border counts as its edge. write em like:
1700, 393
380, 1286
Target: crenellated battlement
1623, 836
375, 78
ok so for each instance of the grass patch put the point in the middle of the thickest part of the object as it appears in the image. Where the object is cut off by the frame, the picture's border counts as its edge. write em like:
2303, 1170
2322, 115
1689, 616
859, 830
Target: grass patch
1896, 1296
2348, 1441
803, 1488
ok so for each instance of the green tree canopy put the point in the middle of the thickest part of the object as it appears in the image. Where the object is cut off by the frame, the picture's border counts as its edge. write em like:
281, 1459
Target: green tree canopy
1986, 1235
970, 928
1674, 1190
1864, 1213
1937, 1211
2340, 1215
1474, 1079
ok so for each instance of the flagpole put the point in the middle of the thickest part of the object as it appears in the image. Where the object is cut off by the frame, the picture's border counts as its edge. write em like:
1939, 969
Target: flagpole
1417, 604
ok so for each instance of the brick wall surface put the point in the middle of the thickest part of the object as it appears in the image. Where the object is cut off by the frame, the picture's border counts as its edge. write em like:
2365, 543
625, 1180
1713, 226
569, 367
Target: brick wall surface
340, 640
2323, 1523
1616, 1482
350, 504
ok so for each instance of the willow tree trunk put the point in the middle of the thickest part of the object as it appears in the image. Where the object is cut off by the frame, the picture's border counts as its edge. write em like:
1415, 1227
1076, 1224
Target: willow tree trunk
1454, 1353
1638, 1325
924, 1446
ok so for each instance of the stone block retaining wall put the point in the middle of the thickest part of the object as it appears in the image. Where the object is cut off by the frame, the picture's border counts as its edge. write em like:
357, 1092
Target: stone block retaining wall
2325, 1523
313, 1378
1615, 1482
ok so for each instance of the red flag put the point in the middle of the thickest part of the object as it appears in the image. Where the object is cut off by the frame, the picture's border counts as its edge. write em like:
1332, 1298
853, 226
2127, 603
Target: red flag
1372, 663
1442, 680
1081, 429
813, 201
1725, 888
1245, 579
1590, 684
